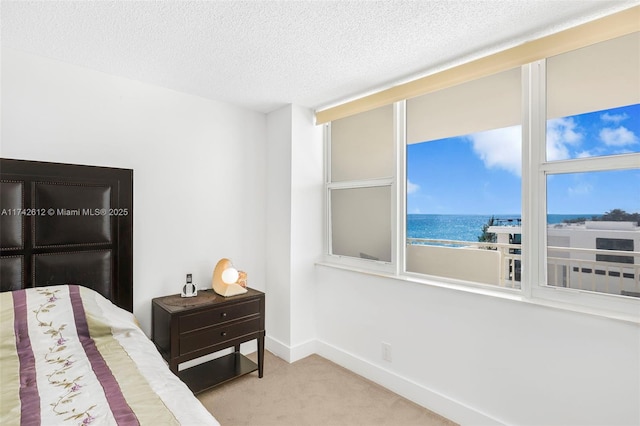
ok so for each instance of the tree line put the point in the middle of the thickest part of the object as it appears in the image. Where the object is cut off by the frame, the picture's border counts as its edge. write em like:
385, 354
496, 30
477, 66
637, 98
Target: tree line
615, 215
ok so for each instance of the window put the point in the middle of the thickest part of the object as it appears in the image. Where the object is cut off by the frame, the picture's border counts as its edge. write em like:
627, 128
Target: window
360, 180
614, 244
592, 168
463, 168
592, 100
580, 233
361, 222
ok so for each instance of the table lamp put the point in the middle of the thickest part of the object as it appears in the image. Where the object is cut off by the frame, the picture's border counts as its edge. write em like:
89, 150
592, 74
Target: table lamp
225, 279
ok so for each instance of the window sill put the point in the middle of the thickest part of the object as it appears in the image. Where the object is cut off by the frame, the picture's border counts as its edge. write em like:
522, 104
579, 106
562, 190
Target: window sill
498, 292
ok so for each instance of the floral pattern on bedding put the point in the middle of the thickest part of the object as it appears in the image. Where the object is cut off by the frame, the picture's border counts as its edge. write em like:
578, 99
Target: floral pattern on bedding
61, 359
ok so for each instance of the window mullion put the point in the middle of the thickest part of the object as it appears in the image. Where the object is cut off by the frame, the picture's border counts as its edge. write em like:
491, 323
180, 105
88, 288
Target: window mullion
527, 167
539, 181
400, 205
533, 194
327, 198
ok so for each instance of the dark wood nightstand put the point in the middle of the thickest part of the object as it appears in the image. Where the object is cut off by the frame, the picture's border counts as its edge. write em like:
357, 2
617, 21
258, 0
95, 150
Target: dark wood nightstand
187, 328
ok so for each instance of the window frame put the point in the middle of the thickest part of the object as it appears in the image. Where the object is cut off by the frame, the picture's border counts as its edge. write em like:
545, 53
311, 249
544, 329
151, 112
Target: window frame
390, 181
538, 168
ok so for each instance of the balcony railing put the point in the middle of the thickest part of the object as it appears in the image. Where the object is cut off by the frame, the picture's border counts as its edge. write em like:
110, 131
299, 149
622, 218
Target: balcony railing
577, 268
507, 221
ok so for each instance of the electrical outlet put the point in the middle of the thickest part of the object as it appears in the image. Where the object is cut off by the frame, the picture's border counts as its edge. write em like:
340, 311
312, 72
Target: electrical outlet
386, 352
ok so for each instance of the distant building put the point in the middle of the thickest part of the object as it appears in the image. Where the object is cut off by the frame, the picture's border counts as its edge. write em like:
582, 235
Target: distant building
590, 256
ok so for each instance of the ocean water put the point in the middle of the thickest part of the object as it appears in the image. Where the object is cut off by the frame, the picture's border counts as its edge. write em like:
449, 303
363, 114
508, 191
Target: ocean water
458, 227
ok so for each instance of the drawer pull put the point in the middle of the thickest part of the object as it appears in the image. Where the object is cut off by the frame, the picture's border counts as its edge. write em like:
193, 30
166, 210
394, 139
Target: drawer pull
223, 334
223, 315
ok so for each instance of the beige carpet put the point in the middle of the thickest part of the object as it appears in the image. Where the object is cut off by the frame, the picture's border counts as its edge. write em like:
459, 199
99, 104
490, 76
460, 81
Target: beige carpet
312, 391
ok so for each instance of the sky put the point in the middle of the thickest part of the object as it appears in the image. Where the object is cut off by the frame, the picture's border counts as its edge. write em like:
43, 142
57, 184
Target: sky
481, 173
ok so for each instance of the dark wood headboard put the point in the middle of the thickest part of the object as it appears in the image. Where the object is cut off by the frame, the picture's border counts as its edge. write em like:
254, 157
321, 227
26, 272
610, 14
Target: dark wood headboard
67, 224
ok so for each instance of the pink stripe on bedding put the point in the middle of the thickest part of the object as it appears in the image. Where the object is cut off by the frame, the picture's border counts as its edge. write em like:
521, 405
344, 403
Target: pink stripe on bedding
119, 407
29, 397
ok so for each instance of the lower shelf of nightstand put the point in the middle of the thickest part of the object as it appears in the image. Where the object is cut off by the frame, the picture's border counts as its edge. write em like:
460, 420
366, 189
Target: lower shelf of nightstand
215, 372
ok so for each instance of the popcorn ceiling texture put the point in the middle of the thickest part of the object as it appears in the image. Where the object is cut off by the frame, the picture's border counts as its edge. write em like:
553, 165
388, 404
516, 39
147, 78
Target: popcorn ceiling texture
262, 55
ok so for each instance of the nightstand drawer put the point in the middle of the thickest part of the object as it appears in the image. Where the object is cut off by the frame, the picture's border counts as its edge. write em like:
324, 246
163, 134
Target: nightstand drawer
219, 315
215, 335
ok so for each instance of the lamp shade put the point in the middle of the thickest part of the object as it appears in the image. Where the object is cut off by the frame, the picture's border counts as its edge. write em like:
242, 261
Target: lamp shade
230, 276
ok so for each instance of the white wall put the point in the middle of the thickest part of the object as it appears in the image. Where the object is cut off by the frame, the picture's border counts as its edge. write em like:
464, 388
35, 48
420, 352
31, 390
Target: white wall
294, 230
478, 359
278, 220
199, 165
306, 227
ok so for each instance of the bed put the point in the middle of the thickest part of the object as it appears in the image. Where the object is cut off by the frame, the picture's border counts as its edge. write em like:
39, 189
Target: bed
71, 351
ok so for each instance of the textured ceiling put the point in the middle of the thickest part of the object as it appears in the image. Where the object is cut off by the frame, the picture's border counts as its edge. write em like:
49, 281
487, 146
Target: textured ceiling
262, 55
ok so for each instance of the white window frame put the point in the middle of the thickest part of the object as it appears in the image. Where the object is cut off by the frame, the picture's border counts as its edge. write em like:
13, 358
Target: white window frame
390, 181
401, 270
535, 209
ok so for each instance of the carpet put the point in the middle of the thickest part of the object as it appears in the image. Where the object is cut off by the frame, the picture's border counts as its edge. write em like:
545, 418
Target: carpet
312, 391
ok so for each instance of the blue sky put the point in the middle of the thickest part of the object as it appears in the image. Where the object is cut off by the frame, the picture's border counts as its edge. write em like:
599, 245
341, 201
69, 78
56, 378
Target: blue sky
480, 173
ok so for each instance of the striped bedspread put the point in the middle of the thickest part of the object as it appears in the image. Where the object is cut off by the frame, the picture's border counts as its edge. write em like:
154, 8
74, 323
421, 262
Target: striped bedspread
69, 356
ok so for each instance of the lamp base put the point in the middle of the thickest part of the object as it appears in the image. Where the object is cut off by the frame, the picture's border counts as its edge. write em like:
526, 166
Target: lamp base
227, 290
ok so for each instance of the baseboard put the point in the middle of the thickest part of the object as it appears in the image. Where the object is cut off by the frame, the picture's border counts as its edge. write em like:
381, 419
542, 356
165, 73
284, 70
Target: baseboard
277, 348
434, 401
303, 350
290, 353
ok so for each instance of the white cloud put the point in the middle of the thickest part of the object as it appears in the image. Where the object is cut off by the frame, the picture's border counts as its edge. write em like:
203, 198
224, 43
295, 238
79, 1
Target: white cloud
580, 189
500, 148
412, 187
561, 133
620, 136
615, 118
585, 154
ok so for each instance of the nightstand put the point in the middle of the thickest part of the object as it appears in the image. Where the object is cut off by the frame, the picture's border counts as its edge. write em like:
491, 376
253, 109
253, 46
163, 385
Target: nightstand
187, 328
